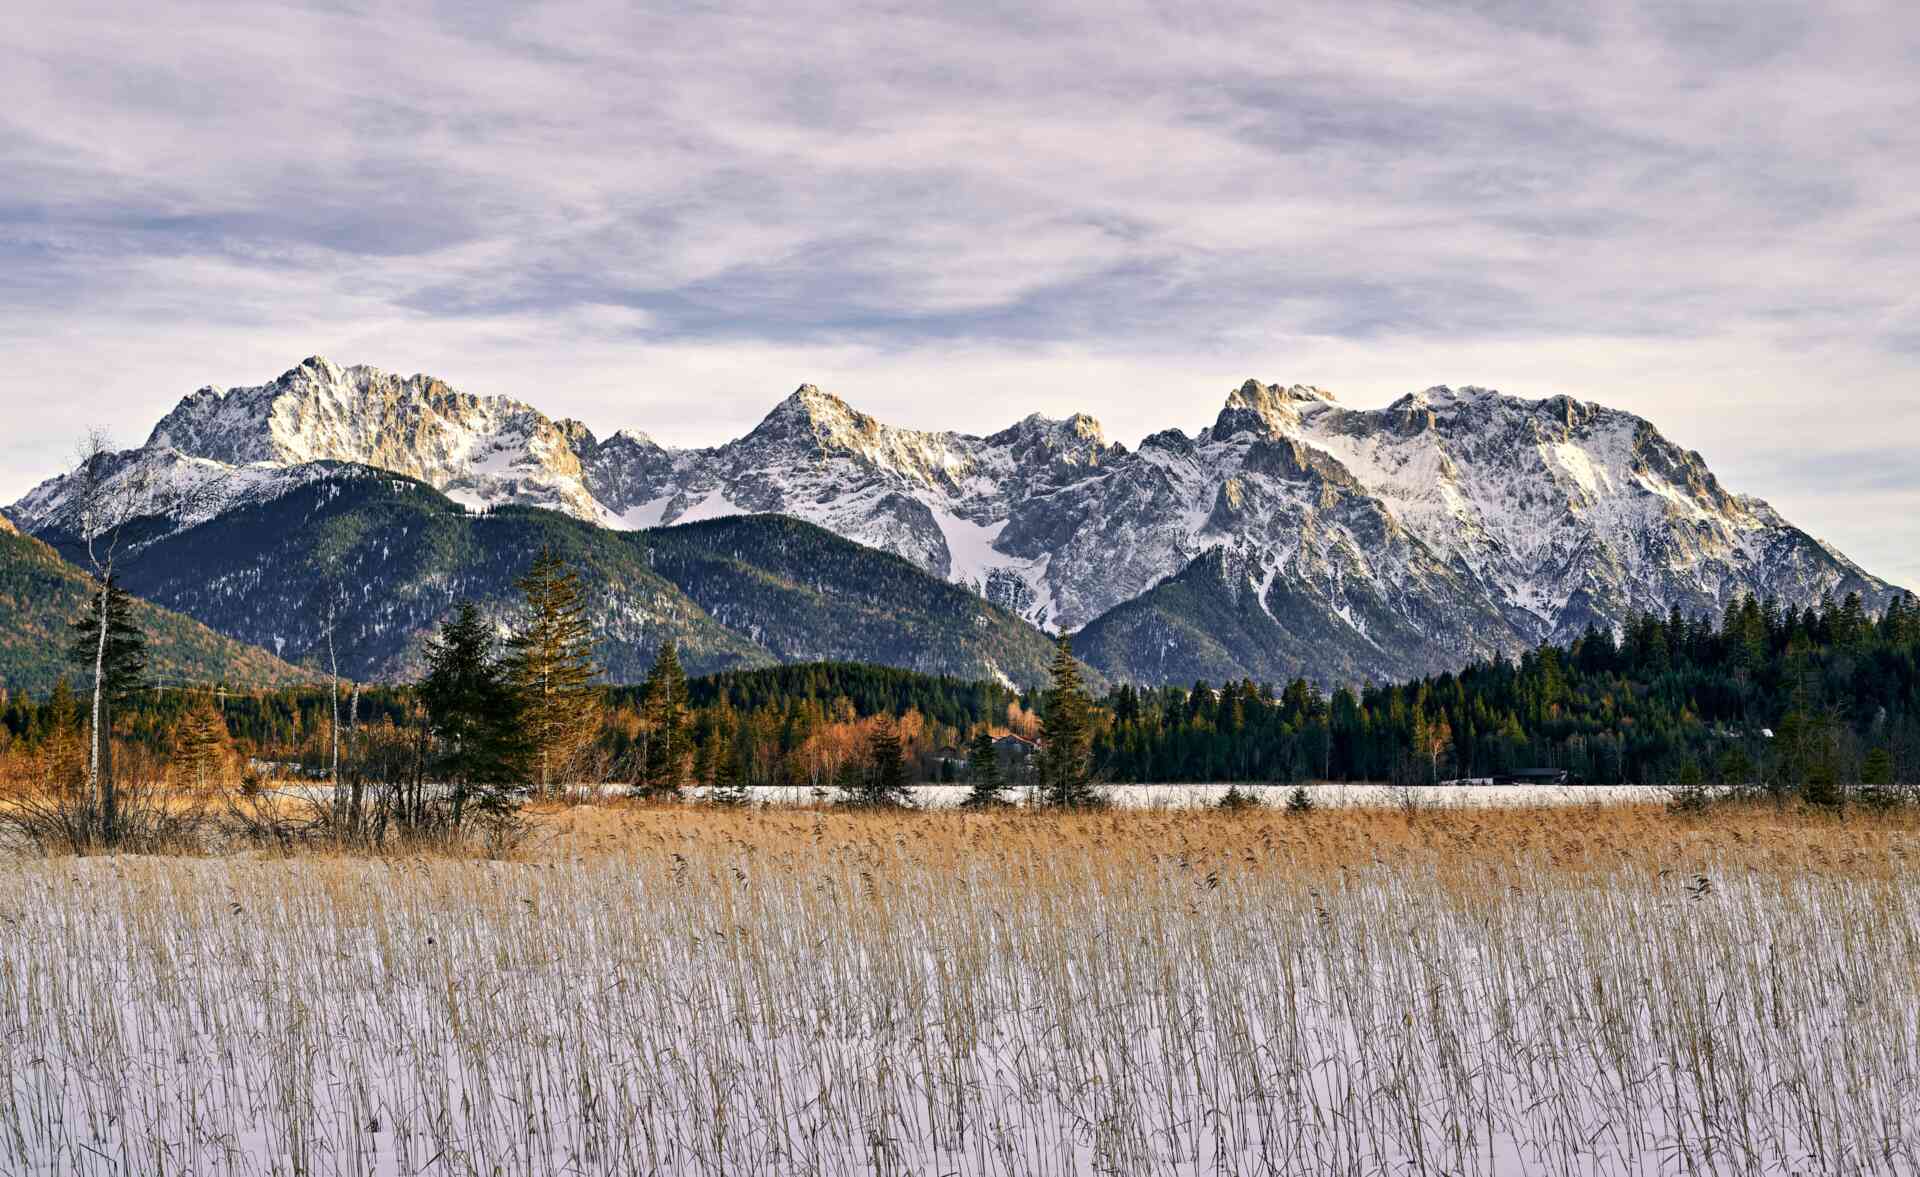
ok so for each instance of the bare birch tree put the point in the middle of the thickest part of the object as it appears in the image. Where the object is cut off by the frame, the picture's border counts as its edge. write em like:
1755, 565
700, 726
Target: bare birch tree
106, 496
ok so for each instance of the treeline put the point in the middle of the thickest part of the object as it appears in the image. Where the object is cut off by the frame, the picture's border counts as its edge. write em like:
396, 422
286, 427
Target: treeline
1762, 696
492, 721
1770, 697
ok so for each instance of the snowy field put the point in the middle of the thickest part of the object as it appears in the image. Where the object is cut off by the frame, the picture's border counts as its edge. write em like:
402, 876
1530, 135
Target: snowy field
1197, 796
1189, 796
879, 1007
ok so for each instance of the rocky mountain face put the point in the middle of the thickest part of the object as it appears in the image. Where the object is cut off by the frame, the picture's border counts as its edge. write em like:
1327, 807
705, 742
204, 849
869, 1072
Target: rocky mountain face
1451, 524
1350, 542
396, 556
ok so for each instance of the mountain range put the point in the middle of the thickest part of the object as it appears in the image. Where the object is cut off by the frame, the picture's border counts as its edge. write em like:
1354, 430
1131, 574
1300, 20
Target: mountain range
1293, 535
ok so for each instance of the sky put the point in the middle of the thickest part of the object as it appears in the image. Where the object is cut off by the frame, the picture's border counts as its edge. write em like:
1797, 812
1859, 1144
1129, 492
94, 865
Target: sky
667, 217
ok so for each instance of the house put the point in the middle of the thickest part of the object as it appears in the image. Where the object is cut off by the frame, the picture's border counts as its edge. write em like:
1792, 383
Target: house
1012, 749
1536, 776
1014, 754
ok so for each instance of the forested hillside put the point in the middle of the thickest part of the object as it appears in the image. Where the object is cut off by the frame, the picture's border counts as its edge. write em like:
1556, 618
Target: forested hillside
41, 595
806, 595
1766, 696
377, 561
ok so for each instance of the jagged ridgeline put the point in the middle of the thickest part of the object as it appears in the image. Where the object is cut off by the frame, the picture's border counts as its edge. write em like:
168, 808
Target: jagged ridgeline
734, 593
41, 594
1291, 535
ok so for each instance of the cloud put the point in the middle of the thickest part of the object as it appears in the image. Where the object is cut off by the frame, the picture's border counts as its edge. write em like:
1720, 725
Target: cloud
668, 215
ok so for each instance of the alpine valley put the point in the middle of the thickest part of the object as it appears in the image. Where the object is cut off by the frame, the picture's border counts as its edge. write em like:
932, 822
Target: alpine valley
1292, 536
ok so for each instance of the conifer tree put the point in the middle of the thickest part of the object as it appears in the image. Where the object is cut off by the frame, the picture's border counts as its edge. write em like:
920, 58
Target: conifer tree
1876, 779
63, 743
550, 662
722, 756
885, 781
118, 662
665, 714
728, 789
474, 713
200, 743
1066, 766
983, 765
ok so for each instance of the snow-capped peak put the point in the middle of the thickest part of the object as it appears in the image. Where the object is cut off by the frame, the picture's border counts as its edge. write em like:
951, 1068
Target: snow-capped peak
1267, 408
1482, 522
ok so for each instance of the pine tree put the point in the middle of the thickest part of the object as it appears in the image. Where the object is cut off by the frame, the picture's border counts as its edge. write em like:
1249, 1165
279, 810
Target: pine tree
885, 783
723, 760
1876, 779
1877, 768
200, 743
665, 713
1066, 766
727, 786
1237, 800
1689, 792
550, 663
1736, 768
983, 765
474, 714
63, 740
117, 661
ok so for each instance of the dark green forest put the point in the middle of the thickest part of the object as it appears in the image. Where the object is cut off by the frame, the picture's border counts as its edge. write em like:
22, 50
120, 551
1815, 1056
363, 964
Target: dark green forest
1764, 697
1761, 696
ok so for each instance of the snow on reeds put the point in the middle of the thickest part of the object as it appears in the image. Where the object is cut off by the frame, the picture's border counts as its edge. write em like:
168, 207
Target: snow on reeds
925, 996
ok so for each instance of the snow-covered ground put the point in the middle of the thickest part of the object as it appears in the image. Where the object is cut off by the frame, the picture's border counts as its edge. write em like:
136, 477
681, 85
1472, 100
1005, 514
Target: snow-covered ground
1337, 796
873, 1008
1201, 796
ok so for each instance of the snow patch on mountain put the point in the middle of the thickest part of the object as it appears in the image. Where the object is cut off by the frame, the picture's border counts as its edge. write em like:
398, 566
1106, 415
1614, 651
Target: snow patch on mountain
1464, 519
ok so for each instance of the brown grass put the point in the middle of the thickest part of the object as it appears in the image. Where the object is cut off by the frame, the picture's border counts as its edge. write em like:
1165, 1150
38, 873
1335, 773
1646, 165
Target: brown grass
1569, 839
693, 990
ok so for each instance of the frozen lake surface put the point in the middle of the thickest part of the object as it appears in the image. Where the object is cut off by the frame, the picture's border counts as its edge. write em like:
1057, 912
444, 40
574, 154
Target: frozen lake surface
1190, 796
1200, 796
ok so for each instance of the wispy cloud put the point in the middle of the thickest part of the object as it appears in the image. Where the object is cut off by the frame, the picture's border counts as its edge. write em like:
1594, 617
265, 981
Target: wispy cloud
665, 216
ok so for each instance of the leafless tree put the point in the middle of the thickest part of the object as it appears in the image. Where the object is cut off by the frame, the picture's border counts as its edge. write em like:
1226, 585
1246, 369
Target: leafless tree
329, 605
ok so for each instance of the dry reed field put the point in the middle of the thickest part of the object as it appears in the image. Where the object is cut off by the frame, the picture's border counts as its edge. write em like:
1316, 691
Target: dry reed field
684, 990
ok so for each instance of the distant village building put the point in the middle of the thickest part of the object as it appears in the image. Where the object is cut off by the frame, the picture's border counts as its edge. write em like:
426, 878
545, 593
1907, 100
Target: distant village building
1012, 749
1013, 753
1536, 776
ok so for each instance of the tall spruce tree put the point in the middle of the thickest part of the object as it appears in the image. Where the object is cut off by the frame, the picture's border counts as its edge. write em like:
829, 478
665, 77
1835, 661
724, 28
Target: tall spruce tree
64, 743
1066, 764
200, 742
550, 662
669, 738
983, 766
117, 660
474, 715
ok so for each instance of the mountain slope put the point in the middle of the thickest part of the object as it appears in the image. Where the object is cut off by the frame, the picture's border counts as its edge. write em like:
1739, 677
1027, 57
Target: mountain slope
41, 594
1221, 619
1405, 541
1448, 525
404, 555
757, 591
810, 596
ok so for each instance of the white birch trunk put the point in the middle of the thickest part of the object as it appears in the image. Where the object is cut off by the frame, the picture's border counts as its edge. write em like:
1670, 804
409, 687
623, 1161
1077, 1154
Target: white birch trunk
333, 730
99, 783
